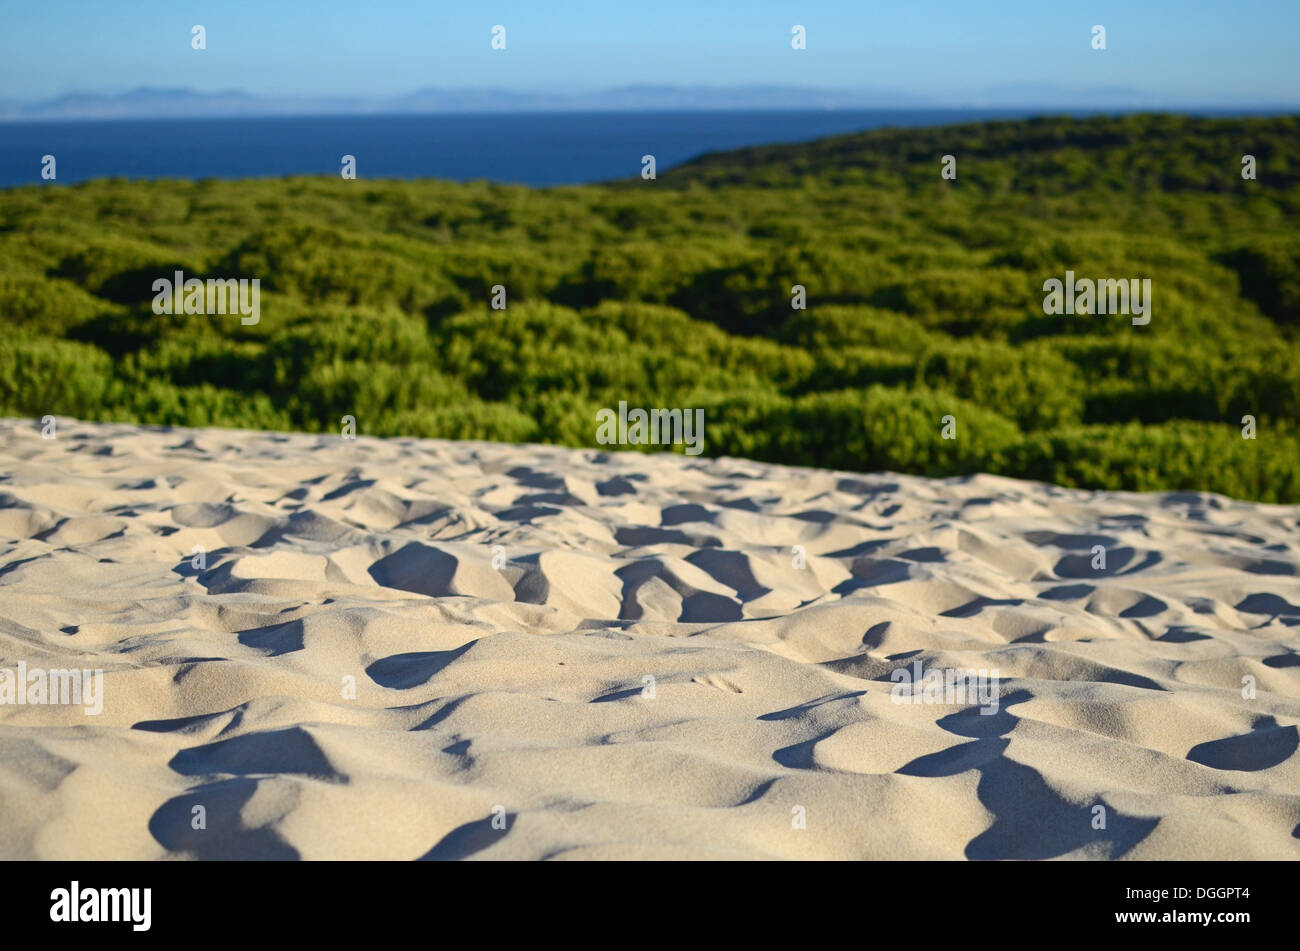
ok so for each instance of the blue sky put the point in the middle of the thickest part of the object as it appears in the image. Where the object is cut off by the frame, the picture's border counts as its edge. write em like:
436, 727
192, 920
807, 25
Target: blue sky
1235, 53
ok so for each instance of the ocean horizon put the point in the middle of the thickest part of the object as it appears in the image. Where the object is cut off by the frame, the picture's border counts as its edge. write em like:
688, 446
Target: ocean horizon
537, 149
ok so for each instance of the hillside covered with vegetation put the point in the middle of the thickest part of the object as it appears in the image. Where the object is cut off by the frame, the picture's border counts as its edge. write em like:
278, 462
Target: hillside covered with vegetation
924, 299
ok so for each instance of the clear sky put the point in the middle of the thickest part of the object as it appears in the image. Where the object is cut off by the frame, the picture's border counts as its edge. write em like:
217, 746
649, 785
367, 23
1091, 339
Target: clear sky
1235, 53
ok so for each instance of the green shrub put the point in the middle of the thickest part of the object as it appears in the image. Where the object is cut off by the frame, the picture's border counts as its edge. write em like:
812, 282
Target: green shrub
923, 300
1169, 457
1032, 385
56, 377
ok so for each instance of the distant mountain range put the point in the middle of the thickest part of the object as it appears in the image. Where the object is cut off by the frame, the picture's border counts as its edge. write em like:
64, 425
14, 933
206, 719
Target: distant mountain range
148, 102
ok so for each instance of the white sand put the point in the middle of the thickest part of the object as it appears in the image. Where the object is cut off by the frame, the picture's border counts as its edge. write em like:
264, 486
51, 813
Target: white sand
519, 691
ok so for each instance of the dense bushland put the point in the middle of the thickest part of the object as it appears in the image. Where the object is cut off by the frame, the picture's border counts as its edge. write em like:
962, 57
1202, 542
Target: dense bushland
924, 299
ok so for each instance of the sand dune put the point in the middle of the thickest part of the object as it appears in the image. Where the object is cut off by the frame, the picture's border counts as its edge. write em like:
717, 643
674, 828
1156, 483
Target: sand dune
423, 649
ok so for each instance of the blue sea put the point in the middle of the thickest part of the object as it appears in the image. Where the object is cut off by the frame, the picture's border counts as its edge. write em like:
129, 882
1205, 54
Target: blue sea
527, 148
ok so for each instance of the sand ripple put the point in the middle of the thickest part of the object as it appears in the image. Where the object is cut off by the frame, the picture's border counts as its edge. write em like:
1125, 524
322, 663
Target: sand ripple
425, 649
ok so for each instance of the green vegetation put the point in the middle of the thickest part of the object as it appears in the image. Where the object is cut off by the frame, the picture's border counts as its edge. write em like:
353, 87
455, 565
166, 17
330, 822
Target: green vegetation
924, 300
